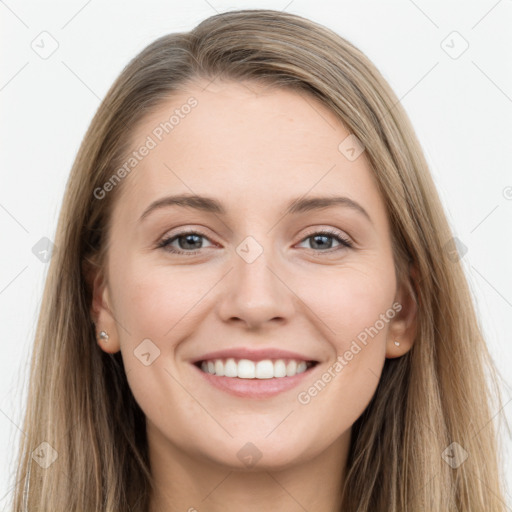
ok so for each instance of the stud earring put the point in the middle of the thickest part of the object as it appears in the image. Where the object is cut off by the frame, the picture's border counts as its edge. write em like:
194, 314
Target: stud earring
397, 343
103, 336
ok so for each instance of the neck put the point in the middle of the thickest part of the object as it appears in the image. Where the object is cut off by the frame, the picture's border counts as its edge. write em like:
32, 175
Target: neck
184, 482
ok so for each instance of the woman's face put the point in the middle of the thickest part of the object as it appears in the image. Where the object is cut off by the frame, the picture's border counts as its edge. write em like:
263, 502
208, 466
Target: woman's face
258, 282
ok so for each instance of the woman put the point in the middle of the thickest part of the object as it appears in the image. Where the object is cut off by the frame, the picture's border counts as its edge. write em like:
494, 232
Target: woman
256, 369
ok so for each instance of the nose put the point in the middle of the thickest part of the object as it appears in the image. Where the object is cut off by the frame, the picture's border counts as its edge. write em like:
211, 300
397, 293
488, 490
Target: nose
256, 294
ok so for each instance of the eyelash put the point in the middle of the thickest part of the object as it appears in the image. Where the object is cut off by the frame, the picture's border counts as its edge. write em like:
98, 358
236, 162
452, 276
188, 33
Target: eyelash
165, 243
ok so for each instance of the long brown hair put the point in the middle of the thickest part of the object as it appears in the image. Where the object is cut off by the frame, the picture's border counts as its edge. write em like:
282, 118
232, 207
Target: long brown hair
443, 391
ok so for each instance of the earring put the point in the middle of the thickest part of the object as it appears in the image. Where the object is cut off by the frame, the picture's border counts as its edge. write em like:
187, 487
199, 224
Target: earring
103, 336
397, 343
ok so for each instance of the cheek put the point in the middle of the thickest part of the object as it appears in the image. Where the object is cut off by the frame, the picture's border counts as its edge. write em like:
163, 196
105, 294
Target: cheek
356, 307
152, 301
350, 300
155, 306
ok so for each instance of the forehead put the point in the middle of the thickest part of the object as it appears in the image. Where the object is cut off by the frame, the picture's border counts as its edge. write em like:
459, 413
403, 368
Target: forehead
248, 145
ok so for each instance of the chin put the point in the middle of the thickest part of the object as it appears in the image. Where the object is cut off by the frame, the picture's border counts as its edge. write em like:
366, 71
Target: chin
258, 455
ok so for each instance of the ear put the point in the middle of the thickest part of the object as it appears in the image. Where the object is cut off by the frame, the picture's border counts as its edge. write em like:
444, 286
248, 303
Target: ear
101, 312
403, 326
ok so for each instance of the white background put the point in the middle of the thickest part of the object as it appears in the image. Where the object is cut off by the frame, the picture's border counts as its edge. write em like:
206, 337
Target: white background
461, 109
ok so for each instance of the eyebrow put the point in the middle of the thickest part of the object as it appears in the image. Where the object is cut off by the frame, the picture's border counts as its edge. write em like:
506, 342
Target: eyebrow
210, 205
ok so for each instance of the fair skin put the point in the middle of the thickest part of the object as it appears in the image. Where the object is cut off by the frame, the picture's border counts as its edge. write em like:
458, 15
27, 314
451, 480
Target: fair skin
254, 150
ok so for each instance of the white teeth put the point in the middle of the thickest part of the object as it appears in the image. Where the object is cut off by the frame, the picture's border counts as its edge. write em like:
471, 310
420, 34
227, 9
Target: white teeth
265, 369
230, 368
291, 368
219, 367
301, 367
279, 368
246, 369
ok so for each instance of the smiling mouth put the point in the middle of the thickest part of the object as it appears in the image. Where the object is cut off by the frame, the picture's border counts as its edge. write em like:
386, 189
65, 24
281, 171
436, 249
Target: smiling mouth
247, 369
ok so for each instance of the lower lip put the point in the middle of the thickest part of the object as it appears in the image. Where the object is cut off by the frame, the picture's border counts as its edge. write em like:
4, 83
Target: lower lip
255, 388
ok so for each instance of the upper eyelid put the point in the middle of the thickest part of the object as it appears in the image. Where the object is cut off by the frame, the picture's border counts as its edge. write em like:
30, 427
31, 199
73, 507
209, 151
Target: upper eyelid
330, 231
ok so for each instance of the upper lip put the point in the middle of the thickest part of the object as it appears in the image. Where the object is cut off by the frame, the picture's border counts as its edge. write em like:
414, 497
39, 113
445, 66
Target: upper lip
252, 354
